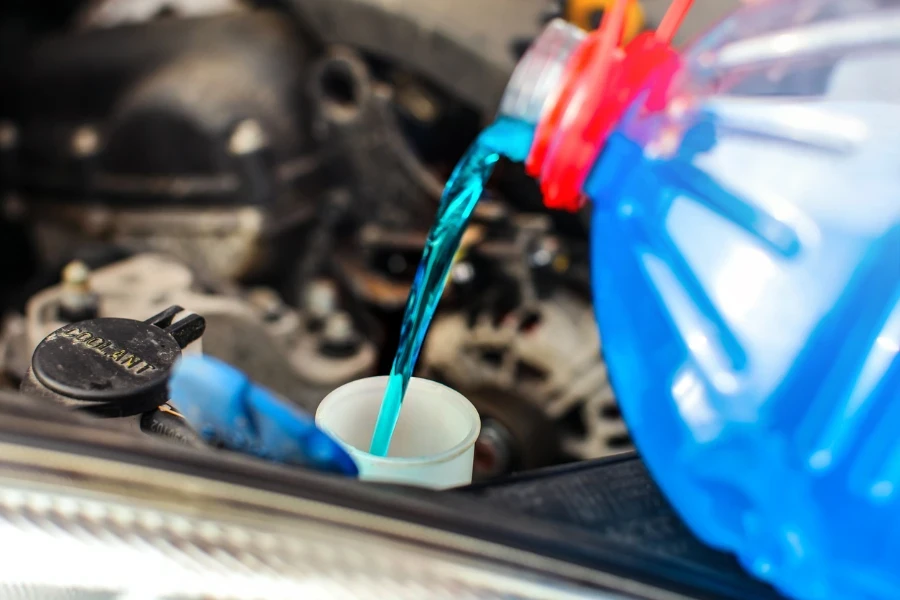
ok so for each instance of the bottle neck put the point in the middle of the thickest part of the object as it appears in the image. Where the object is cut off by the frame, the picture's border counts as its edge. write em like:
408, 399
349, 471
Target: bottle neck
575, 88
573, 130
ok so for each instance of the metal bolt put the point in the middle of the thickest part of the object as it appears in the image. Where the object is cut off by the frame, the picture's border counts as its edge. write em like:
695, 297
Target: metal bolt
85, 141
268, 301
382, 90
489, 208
76, 275
546, 250
338, 328
247, 137
9, 135
417, 101
463, 272
320, 298
77, 302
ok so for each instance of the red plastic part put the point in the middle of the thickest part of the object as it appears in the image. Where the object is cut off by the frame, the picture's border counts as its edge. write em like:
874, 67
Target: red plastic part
600, 82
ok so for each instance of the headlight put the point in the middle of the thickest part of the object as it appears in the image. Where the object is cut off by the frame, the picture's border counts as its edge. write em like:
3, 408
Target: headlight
79, 527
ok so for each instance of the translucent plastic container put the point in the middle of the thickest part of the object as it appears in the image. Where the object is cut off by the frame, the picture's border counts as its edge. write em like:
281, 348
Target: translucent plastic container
433, 444
746, 275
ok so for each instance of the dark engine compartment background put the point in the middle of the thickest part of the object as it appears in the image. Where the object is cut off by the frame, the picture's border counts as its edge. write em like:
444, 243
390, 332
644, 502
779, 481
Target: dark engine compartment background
276, 165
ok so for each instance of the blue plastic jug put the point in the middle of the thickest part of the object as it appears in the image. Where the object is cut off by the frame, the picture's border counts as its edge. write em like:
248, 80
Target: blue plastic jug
746, 271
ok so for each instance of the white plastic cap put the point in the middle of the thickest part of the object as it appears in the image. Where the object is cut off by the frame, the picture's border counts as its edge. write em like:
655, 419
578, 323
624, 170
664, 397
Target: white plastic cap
539, 73
434, 441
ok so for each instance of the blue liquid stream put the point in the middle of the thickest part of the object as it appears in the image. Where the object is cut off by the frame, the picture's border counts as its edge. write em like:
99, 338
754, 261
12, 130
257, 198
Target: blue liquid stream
505, 137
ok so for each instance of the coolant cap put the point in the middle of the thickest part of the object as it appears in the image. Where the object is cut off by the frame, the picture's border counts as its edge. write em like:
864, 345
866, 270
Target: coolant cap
115, 367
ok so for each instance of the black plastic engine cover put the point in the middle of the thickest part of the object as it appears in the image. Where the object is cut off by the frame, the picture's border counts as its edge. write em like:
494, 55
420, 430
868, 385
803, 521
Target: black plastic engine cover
147, 113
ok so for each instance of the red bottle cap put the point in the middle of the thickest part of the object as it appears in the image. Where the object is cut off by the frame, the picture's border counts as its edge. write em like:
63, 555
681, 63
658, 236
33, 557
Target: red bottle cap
598, 83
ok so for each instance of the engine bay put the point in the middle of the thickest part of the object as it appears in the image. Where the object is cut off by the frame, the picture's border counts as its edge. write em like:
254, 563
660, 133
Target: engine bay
274, 170
237, 236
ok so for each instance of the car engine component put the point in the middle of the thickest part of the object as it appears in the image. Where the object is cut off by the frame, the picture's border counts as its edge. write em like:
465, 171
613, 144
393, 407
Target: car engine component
525, 351
275, 169
118, 369
112, 13
301, 355
464, 47
186, 144
535, 378
111, 366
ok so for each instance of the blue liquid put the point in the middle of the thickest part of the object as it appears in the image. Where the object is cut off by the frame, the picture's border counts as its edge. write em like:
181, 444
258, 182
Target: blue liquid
505, 137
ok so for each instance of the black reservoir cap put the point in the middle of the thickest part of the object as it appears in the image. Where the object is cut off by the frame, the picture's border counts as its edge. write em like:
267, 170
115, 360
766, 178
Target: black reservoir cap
117, 367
